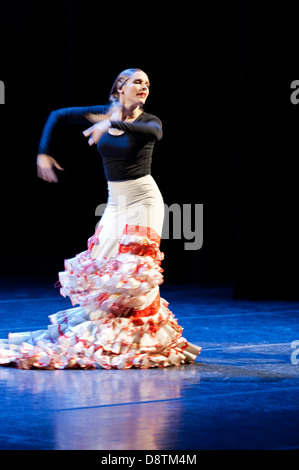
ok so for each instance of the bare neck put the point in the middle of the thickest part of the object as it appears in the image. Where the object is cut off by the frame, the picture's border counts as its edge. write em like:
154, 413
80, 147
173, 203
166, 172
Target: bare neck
130, 114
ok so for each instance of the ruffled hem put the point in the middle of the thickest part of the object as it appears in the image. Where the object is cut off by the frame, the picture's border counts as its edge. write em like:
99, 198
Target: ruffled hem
113, 327
117, 284
79, 338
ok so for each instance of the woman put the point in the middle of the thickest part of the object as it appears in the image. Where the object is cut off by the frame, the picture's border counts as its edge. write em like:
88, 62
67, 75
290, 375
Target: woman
121, 321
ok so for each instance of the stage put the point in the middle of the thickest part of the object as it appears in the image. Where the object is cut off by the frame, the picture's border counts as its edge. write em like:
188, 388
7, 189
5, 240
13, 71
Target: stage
241, 393
224, 84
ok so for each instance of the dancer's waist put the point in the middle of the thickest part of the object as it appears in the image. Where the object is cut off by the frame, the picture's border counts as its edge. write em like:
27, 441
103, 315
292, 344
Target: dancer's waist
133, 191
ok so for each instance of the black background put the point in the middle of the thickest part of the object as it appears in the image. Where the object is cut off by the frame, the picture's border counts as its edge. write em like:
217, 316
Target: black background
220, 77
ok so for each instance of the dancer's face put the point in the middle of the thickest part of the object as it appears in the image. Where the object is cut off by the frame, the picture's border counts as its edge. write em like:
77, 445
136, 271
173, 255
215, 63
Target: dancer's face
135, 90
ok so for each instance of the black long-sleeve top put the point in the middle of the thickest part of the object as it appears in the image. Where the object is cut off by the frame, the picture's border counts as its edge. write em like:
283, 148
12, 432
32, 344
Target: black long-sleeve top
126, 156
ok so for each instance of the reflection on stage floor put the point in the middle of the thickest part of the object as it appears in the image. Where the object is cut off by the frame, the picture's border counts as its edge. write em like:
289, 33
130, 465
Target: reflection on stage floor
241, 393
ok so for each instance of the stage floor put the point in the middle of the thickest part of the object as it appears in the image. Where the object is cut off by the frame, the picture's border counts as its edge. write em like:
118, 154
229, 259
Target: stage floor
241, 393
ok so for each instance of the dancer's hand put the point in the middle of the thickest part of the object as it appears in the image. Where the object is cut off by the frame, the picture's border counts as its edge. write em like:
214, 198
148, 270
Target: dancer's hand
94, 118
96, 131
45, 168
115, 110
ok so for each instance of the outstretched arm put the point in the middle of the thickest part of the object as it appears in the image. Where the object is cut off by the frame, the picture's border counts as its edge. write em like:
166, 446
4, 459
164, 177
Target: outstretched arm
45, 162
65, 116
151, 128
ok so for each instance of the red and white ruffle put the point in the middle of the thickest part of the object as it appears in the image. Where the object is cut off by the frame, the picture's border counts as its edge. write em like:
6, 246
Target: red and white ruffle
121, 321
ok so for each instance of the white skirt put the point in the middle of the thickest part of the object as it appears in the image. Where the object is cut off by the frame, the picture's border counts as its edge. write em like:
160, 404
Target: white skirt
120, 321
134, 202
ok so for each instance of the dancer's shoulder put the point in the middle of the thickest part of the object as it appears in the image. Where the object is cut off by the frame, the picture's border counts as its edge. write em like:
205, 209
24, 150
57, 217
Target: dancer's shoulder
147, 117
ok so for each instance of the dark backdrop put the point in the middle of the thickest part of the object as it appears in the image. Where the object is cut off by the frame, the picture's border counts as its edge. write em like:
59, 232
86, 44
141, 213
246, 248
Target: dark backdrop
220, 77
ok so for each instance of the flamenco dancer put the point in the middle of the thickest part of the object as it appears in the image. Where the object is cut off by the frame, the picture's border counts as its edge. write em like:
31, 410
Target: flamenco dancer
119, 320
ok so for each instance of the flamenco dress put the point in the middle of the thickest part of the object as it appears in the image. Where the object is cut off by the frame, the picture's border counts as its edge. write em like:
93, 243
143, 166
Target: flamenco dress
118, 319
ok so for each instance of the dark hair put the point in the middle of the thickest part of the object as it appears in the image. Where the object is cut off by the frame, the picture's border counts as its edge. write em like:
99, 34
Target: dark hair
119, 82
